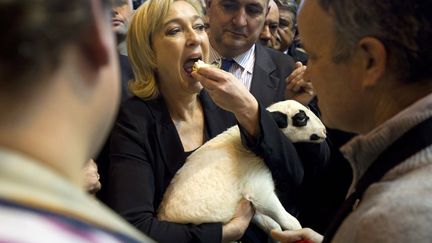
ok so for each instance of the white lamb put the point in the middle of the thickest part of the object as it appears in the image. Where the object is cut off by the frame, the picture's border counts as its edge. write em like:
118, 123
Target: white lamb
217, 175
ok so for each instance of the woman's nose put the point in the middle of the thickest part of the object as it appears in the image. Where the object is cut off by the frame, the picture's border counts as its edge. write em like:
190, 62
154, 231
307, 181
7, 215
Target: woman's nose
193, 37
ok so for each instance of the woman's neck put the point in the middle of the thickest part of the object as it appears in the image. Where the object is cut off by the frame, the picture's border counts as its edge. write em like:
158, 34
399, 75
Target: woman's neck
182, 107
188, 117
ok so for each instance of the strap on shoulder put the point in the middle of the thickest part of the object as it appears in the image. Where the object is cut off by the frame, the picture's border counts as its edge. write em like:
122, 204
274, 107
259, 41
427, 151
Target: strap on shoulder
416, 139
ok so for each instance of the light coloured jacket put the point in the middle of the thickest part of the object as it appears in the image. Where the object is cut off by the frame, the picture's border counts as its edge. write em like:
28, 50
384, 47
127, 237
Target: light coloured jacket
39, 205
398, 208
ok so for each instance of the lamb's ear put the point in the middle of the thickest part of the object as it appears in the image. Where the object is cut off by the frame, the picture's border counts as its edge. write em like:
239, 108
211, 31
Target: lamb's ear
280, 118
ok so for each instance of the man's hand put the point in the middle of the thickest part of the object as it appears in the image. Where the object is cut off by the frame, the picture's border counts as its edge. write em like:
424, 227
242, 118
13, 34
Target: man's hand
297, 88
91, 177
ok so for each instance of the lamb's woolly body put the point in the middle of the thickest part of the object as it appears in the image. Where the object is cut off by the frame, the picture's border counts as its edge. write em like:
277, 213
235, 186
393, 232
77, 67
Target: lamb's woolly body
234, 181
216, 176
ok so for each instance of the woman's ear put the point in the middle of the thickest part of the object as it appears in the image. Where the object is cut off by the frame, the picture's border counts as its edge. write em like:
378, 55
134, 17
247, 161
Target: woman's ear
374, 60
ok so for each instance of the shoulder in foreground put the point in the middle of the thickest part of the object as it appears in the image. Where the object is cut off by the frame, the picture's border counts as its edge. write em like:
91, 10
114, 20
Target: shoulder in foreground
20, 223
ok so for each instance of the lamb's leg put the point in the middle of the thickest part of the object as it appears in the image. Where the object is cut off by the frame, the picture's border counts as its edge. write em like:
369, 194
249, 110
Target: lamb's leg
272, 207
265, 222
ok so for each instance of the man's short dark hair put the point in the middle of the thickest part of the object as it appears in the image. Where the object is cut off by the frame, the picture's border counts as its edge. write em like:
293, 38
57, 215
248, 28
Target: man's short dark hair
288, 5
34, 34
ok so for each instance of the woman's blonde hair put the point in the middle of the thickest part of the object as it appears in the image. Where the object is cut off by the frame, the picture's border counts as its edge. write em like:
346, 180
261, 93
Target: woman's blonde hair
146, 21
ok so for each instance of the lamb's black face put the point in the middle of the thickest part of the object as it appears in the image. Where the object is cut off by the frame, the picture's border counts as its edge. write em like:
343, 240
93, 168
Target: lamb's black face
300, 119
280, 118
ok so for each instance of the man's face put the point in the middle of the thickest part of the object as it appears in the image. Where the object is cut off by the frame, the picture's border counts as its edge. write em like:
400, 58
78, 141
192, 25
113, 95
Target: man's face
269, 33
121, 13
235, 25
286, 29
336, 84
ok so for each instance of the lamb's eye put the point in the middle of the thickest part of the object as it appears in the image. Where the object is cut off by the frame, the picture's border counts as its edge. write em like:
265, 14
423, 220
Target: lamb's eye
300, 119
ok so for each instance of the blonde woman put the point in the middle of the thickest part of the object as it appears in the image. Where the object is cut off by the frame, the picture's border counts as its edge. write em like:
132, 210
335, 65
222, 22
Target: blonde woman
171, 116
166, 120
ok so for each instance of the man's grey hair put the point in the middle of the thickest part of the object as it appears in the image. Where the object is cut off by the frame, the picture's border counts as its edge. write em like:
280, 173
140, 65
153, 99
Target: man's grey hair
404, 27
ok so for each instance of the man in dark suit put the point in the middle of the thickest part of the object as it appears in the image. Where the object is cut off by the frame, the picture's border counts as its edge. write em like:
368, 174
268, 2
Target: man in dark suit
269, 34
122, 12
234, 31
235, 27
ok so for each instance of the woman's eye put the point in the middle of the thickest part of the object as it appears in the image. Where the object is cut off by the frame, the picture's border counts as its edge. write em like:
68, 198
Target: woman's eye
173, 31
200, 27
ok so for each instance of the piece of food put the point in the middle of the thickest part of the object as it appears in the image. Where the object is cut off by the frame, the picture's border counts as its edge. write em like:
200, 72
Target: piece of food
199, 64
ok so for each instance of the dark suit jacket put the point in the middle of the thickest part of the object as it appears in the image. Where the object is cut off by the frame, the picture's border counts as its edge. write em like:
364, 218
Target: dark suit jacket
270, 70
126, 74
146, 152
102, 159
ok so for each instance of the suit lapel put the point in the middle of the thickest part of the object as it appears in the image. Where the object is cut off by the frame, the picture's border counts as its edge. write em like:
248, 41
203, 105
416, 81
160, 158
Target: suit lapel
216, 119
264, 84
170, 146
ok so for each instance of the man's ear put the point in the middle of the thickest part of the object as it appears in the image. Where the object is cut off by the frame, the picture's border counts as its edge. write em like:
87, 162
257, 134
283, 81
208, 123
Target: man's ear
374, 60
94, 42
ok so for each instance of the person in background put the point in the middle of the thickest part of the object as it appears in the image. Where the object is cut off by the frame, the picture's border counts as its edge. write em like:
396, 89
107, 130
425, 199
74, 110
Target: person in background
59, 93
234, 32
372, 76
122, 12
269, 34
289, 43
287, 29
